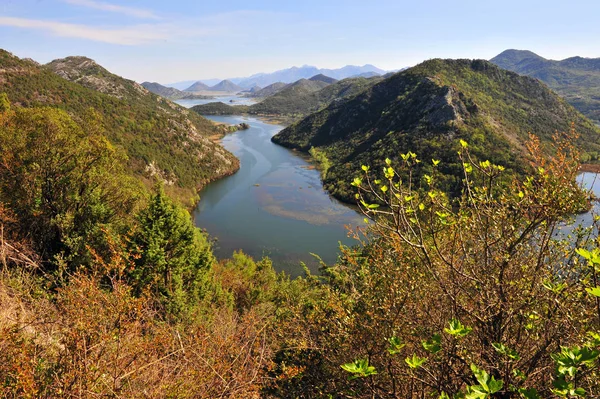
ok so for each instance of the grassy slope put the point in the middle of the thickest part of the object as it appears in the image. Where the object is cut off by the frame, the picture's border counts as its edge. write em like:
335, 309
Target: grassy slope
149, 128
426, 109
576, 79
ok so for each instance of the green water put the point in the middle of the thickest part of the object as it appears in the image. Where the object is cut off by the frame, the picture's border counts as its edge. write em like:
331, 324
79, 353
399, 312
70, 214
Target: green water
274, 205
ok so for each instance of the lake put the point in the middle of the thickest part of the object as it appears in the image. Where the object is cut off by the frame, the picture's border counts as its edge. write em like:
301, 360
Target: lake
274, 205
224, 99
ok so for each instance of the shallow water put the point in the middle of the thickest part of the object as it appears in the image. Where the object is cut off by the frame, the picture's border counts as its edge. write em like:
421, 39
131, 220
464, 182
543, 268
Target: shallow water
230, 100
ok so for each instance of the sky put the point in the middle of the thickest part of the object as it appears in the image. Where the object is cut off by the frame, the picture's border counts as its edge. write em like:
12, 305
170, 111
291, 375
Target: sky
174, 40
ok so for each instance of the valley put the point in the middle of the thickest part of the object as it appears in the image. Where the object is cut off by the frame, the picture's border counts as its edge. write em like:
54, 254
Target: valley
277, 232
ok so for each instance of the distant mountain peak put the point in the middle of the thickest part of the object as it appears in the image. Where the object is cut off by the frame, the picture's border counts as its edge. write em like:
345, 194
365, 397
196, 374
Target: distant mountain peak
227, 86
89, 73
577, 78
322, 78
198, 86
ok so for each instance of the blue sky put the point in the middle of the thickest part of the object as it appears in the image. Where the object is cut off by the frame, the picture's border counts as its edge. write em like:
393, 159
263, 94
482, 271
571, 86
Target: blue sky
174, 40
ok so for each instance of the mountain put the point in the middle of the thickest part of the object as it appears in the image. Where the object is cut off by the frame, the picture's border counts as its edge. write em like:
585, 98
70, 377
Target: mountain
577, 79
269, 90
322, 78
170, 92
198, 86
306, 96
426, 109
160, 137
227, 86
305, 72
366, 75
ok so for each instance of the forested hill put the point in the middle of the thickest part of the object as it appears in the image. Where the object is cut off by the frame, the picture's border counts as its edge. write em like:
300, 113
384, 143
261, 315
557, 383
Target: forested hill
426, 110
577, 79
159, 137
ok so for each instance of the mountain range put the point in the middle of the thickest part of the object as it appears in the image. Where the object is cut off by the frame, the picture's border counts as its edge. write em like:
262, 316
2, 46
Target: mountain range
170, 92
577, 79
291, 75
426, 109
294, 100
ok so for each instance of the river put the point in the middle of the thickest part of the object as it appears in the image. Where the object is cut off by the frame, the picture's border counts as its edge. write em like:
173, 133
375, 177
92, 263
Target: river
274, 205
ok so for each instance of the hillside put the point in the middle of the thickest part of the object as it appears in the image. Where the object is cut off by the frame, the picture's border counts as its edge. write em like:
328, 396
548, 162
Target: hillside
322, 78
170, 92
269, 90
198, 86
577, 79
426, 109
227, 86
159, 137
219, 108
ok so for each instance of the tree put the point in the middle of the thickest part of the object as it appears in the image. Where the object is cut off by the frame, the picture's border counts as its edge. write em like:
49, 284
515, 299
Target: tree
64, 181
475, 296
171, 257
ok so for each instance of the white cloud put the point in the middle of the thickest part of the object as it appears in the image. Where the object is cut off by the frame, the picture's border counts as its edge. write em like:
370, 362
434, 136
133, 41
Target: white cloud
132, 35
100, 5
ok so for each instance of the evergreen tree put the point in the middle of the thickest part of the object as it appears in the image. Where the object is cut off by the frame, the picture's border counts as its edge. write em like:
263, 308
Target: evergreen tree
173, 256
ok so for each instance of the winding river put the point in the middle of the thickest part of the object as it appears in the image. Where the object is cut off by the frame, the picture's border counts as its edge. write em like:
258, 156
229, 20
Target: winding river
274, 205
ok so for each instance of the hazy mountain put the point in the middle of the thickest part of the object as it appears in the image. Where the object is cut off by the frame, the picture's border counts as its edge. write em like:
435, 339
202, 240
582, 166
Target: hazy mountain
366, 75
227, 86
170, 92
269, 90
295, 73
198, 86
160, 137
322, 78
577, 79
426, 109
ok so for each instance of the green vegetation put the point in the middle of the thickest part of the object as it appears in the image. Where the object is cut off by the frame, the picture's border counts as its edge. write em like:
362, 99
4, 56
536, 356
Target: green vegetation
161, 139
64, 183
321, 159
577, 79
219, 108
425, 109
109, 291
474, 297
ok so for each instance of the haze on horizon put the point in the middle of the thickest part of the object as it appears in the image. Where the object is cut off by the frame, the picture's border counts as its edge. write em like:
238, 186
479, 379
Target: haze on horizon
186, 40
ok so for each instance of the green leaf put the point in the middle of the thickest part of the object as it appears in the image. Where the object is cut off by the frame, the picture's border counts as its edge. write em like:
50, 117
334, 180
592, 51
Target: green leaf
595, 291
395, 345
434, 344
415, 362
457, 329
365, 168
388, 161
530, 393
360, 368
506, 351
